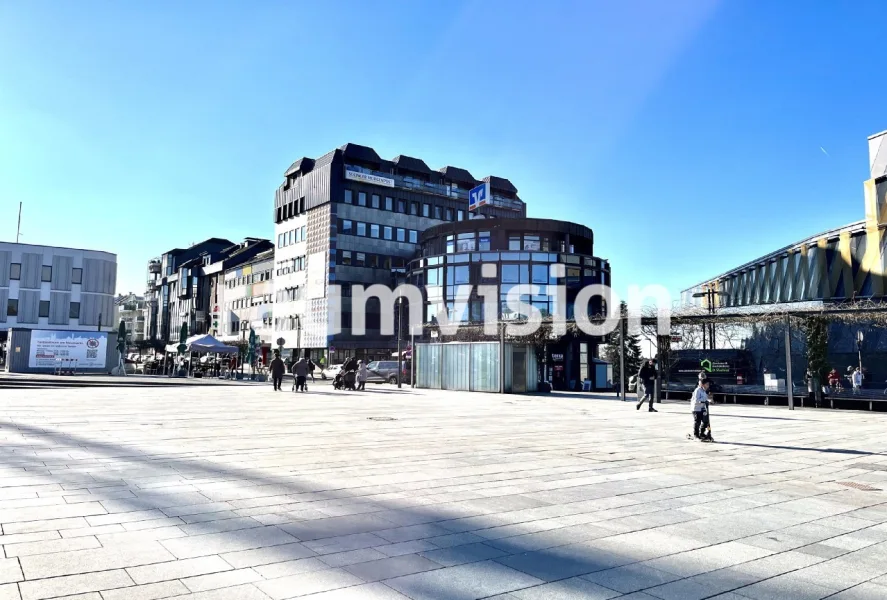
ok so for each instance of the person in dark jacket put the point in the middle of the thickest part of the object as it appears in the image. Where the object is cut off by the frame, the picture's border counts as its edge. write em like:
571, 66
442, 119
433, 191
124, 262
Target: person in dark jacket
647, 376
278, 368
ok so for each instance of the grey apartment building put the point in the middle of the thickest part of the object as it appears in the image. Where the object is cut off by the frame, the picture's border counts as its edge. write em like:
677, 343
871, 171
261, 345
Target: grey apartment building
352, 217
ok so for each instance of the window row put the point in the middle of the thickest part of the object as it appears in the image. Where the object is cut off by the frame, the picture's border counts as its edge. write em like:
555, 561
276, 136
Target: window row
43, 310
473, 311
292, 265
249, 301
289, 294
249, 279
400, 205
15, 273
366, 259
468, 242
293, 236
378, 232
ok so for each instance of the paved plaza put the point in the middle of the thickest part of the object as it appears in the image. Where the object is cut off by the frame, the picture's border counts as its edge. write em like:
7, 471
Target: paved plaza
239, 493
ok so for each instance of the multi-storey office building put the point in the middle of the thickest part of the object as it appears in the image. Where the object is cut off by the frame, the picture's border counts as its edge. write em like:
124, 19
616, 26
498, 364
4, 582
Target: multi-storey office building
246, 301
351, 217
185, 291
508, 254
44, 287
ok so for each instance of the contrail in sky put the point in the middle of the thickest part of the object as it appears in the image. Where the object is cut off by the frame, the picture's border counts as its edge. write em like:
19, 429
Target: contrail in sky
824, 152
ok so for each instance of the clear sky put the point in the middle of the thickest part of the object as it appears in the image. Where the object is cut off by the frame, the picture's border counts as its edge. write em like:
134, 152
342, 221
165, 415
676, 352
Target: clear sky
690, 135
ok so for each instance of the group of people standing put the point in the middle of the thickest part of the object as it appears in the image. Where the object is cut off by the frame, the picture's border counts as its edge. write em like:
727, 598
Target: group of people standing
301, 369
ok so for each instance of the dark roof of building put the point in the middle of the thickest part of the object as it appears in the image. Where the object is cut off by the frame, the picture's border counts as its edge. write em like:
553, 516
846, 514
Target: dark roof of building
361, 153
458, 175
409, 163
526, 224
501, 184
303, 165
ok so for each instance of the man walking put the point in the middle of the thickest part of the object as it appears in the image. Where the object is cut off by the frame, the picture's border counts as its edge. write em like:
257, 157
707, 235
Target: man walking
647, 377
277, 369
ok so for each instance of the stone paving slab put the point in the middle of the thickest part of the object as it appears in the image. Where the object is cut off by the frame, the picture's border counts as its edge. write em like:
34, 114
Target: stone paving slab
241, 493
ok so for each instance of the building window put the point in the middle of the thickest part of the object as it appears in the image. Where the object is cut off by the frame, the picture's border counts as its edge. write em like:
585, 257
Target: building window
451, 244
361, 229
280, 240
426, 210
360, 259
401, 206
375, 203
373, 261
348, 197
387, 232
465, 242
532, 243
414, 208
12, 308
414, 236
437, 212
483, 241
361, 198
346, 257
346, 226
510, 274
77, 276
514, 242
389, 203
449, 214
44, 309
15, 271
304, 232
460, 215
374, 231
401, 235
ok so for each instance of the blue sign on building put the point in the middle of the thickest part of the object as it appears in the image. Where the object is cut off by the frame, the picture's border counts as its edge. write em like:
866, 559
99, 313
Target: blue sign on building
479, 196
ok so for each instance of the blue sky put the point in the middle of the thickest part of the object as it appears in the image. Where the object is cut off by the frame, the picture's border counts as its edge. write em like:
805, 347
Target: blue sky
686, 134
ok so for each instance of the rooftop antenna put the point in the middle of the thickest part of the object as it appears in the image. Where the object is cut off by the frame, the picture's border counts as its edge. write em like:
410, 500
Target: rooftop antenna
18, 229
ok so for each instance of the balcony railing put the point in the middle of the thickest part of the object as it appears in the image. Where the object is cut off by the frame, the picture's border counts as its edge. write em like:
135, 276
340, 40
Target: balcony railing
154, 266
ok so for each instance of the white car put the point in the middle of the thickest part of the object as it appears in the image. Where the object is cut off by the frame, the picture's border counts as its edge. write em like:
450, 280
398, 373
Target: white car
330, 371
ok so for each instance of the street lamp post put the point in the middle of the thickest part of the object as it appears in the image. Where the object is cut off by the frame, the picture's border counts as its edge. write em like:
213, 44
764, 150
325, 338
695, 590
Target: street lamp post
709, 294
298, 337
399, 327
859, 339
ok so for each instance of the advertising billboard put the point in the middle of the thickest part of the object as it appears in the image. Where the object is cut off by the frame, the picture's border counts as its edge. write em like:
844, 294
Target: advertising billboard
88, 348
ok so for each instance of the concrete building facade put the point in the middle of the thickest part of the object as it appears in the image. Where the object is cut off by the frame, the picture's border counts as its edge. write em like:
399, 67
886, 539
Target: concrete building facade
46, 287
351, 217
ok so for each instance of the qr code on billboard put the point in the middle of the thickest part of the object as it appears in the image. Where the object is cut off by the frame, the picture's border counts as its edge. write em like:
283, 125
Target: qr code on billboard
92, 354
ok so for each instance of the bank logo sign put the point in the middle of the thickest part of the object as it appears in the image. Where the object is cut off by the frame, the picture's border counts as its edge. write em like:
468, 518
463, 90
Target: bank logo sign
479, 196
367, 178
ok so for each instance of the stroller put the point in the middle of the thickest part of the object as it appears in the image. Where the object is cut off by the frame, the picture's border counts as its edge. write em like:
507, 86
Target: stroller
345, 380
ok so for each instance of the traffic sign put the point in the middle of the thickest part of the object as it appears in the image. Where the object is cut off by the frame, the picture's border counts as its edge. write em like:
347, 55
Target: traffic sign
280, 341
479, 196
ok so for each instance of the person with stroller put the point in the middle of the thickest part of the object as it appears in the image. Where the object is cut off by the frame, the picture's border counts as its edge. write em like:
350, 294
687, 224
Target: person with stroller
361, 375
699, 404
300, 373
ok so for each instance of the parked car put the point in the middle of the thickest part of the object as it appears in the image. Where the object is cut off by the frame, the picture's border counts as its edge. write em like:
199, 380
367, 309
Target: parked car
380, 371
330, 371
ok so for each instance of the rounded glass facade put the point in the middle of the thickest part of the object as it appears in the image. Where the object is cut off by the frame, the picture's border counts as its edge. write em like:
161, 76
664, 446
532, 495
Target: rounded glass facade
529, 258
